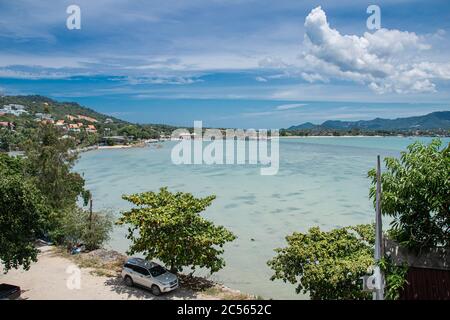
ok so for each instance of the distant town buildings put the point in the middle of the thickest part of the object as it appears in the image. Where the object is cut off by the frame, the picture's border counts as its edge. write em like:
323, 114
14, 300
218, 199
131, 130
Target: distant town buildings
14, 109
71, 123
43, 117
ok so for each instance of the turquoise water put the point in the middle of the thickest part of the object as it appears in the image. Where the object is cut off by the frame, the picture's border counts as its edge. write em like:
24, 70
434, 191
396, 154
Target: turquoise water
321, 182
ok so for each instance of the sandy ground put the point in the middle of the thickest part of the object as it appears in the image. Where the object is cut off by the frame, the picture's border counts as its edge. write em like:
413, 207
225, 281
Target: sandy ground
48, 279
120, 146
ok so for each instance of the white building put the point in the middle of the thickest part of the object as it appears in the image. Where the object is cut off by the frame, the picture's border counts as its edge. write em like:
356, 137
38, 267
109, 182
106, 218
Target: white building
14, 109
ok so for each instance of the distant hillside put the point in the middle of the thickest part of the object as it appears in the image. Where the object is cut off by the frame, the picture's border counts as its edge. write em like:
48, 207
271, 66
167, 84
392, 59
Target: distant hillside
40, 104
434, 120
20, 117
306, 125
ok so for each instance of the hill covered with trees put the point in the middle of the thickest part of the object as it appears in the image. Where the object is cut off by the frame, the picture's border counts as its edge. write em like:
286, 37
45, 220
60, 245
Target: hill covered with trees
435, 123
20, 116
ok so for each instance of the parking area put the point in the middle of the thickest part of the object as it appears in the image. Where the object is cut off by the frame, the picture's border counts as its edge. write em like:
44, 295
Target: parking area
56, 278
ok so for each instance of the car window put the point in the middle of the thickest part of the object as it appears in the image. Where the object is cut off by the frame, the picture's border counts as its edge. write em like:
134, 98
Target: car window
141, 270
129, 266
157, 271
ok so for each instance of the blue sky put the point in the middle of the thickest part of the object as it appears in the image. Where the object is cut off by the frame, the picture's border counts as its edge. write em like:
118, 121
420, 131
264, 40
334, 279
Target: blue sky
240, 63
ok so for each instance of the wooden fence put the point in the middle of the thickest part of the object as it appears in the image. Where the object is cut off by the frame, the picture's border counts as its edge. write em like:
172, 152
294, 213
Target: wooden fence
428, 272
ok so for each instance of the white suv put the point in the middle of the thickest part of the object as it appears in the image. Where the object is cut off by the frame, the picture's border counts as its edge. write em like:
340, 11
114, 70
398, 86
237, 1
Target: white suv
151, 275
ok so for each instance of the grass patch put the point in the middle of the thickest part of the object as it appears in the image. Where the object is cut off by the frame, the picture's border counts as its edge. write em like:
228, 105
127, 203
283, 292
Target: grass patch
107, 268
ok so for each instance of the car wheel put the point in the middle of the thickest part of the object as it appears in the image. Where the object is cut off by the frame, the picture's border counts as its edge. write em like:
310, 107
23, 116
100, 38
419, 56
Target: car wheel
128, 281
155, 290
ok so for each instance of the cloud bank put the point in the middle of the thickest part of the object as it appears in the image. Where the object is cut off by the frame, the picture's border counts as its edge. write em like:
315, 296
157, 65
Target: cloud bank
383, 60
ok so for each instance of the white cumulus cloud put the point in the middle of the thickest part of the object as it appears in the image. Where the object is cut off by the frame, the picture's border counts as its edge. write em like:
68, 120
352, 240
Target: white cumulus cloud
290, 106
385, 61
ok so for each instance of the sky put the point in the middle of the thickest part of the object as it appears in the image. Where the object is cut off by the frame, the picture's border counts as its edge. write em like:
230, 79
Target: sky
231, 63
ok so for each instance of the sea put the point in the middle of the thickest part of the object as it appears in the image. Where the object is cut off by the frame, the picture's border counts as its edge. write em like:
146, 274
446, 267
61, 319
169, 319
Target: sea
321, 181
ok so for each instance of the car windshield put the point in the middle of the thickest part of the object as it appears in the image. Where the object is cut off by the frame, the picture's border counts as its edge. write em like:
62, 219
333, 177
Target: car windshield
157, 271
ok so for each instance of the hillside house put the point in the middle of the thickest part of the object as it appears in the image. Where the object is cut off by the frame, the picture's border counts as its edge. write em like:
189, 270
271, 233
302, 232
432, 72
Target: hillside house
86, 118
61, 124
14, 109
8, 125
91, 129
43, 116
74, 127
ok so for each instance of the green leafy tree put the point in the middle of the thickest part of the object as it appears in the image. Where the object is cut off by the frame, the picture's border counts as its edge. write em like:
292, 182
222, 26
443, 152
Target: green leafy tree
49, 161
416, 194
395, 277
8, 139
91, 229
22, 215
168, 226
329, 264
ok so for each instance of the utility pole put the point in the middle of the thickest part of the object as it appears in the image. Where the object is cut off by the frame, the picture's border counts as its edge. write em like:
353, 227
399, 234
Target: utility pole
90, 214
379, 252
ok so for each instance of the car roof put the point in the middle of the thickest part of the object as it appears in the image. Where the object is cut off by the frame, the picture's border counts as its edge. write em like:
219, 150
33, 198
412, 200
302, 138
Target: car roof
142, 263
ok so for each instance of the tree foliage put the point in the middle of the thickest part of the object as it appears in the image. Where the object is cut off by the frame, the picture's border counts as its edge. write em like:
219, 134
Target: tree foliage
395, 277
22, 215
416, 194
168, 226
49, 162
80, 226
328, 264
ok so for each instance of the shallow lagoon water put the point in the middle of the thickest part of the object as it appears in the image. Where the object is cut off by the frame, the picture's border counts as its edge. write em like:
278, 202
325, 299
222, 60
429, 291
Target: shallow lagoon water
321, 182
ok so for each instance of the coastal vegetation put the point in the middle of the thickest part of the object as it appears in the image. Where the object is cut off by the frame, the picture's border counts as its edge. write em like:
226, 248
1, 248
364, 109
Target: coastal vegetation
167, 226
23, 215
326, 264
416, 195
89, 228
39, 200
330, 132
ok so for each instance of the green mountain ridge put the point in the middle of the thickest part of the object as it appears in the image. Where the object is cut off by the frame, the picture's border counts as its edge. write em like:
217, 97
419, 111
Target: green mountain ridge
434, 120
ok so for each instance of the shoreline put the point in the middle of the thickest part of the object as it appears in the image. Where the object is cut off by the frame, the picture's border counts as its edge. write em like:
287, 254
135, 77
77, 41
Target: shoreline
345, 136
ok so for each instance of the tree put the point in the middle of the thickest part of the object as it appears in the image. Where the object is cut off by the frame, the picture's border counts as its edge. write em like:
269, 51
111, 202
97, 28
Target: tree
416, 194
49, 161
170, 229
80, 226
8, 139
329, 264
22, 215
